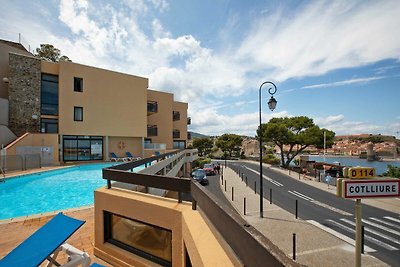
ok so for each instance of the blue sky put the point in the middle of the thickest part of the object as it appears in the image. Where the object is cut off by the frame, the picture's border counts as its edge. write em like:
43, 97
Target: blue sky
334, 61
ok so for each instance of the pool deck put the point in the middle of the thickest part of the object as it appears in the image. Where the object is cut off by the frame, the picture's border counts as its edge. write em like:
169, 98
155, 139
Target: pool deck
14, 232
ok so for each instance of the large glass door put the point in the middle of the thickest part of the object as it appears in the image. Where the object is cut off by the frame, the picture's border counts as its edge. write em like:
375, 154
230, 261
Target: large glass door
82, 148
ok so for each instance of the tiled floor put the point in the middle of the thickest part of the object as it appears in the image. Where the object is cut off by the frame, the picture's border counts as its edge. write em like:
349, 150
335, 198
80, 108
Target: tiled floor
13, 233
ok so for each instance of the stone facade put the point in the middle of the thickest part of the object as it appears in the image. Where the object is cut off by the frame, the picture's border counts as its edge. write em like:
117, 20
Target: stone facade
24, 94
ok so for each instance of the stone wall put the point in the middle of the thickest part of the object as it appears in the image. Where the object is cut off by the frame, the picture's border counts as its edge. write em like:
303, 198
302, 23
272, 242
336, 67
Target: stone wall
24, 94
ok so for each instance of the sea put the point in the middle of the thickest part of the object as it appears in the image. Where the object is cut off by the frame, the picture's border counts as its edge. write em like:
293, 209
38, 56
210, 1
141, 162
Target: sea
380, 166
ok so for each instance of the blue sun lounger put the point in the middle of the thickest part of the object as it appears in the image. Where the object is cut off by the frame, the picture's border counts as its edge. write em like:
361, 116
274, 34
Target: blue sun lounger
46, 243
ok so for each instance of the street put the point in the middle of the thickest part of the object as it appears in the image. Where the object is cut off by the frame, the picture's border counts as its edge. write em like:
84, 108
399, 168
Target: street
324, 210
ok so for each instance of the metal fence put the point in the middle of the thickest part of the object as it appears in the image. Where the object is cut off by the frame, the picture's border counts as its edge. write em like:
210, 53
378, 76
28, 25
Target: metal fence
20, 162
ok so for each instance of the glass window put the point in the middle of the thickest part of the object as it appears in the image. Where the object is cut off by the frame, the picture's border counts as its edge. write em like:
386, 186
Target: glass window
96, 149
78, 113
49, 125
70, 150
82, 148
49, 95
78, 84
148, 241
179, 144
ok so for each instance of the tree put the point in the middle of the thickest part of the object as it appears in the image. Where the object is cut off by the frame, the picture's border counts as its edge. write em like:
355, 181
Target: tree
392, 171
295, 132
204, 145
50, 53
229, 143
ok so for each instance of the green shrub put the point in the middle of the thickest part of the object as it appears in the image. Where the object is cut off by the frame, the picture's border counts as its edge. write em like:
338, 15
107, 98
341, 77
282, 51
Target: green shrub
271, 159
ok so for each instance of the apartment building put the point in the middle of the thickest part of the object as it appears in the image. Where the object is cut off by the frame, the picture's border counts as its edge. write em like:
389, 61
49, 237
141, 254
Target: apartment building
72, 112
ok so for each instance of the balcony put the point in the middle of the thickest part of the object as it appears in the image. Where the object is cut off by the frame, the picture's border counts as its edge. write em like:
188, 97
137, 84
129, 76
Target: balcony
189, 136
176, 134
152, 107
152, 130
176, 115
189, 121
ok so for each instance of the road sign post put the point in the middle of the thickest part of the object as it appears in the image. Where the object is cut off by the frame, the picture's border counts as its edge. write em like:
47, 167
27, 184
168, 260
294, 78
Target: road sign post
358, 232
359, 187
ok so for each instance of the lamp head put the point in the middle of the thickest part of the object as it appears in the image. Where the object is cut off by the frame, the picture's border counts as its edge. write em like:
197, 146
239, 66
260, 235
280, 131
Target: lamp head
272, 103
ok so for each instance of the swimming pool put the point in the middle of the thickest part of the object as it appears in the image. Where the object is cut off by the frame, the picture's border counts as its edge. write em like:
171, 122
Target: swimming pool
52, 190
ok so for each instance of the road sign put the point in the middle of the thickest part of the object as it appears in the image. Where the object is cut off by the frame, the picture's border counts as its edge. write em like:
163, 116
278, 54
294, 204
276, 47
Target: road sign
374, 188
361, 172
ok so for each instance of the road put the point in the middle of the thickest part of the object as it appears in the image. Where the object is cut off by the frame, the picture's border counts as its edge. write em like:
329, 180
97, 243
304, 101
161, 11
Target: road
325, 210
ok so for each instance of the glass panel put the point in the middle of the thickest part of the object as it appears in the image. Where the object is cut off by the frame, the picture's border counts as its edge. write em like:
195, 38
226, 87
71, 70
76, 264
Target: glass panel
70, 150
78, 84
83, 150
49, 95
96, 149
78, 114
150, 239
49, 126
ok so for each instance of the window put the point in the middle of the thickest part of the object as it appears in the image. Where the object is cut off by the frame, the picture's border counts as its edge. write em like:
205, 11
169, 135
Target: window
176, 115
49, 95
179, 144
78, 113
148, 241
49, 125
78, 84
82, 148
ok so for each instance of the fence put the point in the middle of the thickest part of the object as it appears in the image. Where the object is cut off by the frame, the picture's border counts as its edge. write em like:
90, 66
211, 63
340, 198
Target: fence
20, 162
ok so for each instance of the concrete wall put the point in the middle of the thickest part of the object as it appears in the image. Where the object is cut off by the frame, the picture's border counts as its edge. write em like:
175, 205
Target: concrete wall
189, 229
4, 111
120, 145
181, 124
24, 94
114, 104
163, 118
37, 140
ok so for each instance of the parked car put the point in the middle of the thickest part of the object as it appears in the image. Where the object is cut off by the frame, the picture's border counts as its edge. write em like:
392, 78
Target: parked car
200, 176
209, 169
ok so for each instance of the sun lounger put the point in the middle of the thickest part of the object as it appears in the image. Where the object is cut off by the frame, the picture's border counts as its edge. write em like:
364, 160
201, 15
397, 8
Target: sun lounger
116, 158
131, 157
46, 243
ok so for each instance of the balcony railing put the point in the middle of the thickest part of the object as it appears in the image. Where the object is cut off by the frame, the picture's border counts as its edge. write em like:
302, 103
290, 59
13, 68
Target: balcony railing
152, 130
152, 107
189, 121
176, 115
156, 146
176, 134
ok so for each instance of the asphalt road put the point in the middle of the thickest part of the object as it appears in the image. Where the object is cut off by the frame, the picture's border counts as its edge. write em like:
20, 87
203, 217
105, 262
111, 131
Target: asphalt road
382, 228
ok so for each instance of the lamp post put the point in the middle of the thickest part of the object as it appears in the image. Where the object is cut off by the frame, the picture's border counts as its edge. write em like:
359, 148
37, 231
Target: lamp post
271, 104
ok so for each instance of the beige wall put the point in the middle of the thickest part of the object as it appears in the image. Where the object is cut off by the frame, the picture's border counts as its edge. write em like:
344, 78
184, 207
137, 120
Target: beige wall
4, 65
50, 67
114, 104
181, 124
37, 140
163, 118
188, 229
120, 145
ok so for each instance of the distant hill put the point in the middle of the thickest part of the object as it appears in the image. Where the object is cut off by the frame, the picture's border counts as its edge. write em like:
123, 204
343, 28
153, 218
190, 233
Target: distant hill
198, 135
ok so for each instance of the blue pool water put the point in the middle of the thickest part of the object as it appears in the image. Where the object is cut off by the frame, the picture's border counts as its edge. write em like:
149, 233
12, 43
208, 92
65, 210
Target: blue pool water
50, 191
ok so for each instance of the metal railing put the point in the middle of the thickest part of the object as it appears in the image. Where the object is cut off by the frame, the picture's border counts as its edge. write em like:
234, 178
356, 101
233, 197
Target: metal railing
20, 162
257, 251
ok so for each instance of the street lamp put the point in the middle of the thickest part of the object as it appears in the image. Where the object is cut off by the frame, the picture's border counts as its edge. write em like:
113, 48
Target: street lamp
272, 105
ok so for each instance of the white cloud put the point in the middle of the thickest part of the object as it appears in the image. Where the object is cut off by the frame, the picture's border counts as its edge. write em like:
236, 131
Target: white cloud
315, 38
323, 36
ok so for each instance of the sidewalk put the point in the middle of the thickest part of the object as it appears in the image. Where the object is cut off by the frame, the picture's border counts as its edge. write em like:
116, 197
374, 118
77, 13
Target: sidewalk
314, 247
